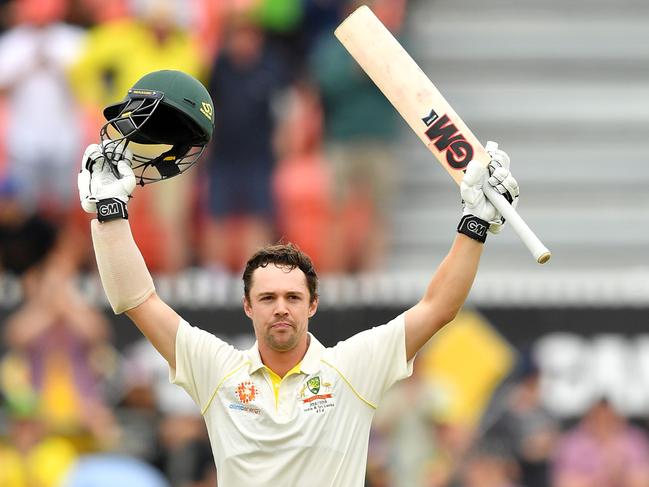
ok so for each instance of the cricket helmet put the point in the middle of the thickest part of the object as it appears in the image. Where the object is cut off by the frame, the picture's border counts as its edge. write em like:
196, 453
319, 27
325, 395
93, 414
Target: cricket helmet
166, 119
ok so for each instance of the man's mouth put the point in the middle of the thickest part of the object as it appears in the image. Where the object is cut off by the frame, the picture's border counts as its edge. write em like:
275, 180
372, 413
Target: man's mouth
281, 325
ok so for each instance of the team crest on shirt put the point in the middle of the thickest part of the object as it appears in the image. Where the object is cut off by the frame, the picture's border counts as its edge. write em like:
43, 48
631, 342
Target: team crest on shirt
314, 384
316, 395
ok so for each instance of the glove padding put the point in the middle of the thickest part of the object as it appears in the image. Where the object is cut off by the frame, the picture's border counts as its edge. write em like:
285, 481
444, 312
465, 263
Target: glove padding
498, 176
97, 179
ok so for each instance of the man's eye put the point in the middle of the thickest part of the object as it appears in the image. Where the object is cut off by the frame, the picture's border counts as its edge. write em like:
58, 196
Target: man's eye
266, 298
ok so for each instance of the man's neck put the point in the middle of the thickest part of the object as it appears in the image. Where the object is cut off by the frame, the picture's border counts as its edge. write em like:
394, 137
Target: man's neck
282, 362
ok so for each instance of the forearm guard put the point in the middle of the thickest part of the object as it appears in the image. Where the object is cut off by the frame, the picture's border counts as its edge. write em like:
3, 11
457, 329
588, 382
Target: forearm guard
122, 269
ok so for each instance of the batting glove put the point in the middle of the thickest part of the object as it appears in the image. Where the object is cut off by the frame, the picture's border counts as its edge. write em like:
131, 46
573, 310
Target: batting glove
479, 213
105, 186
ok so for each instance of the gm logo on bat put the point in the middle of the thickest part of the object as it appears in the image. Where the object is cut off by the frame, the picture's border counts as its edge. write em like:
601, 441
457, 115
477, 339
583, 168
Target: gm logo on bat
447, 138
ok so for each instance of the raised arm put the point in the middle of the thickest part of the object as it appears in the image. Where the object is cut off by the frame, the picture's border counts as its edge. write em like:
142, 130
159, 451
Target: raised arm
453, 279
129, 286
124, 275
444, 295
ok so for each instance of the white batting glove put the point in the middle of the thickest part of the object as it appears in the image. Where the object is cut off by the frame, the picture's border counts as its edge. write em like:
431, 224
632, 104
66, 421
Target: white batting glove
100, 190
479, 213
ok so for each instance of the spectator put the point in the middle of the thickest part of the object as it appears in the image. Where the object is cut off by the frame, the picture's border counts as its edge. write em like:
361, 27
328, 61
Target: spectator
156, 413
244, 83
116, 55
280, 20
4, 15
487, 466
519, 424
143, 367
41, 130
603, 450
186, 453
137, 412
455, 441
107, 470
377, 474
120, 51
26, 238
53, 335
302, 180
208, 25
320, 16
205, 472
43, 136
360, 126
32, 456
408, 420
91, 12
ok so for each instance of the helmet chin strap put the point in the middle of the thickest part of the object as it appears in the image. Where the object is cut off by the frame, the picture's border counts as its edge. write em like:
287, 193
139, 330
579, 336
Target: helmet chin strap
165, 163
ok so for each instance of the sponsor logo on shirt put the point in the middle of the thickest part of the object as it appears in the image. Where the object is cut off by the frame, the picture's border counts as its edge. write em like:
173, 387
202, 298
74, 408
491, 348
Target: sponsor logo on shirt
247, 409
246, 393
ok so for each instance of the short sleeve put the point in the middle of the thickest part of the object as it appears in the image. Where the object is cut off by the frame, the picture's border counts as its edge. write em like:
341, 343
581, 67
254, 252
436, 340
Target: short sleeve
202, 361
374, 360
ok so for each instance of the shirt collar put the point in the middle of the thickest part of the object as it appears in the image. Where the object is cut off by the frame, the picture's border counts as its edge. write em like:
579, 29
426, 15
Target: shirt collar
310, 362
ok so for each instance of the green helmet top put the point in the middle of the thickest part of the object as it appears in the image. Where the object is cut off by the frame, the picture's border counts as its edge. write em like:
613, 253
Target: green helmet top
163, 108
185, 114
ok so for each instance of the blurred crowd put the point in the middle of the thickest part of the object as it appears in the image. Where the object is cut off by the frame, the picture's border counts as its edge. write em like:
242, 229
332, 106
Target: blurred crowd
302, 141
301, 152
517, 441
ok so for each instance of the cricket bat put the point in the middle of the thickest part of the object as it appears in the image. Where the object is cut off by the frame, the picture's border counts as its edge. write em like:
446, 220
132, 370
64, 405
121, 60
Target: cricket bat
424, 108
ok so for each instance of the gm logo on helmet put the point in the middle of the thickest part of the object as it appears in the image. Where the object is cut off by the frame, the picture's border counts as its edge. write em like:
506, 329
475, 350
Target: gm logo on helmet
207, 110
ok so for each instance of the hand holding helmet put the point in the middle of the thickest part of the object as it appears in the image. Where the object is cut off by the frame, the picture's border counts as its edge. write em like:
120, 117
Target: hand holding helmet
158, 131
105, 186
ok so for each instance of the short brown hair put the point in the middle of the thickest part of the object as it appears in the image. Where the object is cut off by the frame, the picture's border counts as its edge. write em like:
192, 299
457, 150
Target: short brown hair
286, 255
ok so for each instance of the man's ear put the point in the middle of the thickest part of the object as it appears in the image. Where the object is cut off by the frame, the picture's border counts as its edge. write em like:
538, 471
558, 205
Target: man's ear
313, 307
247, 308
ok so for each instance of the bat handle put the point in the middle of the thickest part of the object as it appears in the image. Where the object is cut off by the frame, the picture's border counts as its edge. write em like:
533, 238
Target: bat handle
529, 238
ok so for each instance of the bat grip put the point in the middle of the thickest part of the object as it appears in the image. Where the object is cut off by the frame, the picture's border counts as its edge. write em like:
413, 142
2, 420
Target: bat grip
528, 237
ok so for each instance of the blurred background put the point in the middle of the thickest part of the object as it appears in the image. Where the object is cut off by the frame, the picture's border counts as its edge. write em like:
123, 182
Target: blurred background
543, 380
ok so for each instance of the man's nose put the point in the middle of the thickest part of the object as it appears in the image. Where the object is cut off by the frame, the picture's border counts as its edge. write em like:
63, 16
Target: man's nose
280, 307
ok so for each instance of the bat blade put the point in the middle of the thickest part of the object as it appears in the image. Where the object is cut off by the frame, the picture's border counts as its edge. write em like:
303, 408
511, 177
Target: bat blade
424, 108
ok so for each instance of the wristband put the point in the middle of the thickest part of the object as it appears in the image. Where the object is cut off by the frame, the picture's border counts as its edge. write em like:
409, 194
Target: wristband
111, 209
474, 227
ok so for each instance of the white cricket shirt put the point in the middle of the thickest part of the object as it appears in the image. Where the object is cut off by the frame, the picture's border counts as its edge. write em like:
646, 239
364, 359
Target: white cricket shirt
316, 433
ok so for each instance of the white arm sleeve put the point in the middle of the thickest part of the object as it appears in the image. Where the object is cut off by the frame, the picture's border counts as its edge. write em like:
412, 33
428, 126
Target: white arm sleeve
122, 269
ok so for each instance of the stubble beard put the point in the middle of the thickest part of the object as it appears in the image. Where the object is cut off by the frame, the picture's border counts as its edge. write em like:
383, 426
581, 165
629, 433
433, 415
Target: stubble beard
282, 342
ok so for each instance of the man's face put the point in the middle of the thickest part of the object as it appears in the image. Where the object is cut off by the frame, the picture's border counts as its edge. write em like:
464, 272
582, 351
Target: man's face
279, 306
